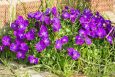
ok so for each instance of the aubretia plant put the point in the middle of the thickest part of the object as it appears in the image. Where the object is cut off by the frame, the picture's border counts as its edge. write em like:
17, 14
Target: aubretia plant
56, 37
73, 53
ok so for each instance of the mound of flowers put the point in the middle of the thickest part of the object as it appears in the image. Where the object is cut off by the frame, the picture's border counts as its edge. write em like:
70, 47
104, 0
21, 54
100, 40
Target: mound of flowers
42, 29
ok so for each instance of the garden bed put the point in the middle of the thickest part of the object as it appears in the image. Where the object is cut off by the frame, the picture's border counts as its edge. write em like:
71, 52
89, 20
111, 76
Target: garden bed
68, 42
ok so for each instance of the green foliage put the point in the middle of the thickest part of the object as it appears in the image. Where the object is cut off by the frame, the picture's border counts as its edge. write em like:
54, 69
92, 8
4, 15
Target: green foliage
82, 4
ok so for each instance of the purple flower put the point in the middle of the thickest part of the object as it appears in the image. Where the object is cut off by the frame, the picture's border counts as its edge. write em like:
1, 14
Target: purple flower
24, 47
47, 12
21, 28
108, 28
77, 12
88, 41
14, 26
87, 12
26, 23
110, 39
47, 20
64, 39
1, 48
86, 26
43, 32
18, 41
74, 15
56, 27
101, 33
65, 15
99, 24
82, 33
93, 26
19, 20
15, 33
36, 60
79, 40
66, 7
58, 44
72, 11
14, 47
84, 19
6, 40
56, 20
20, 55
73, 18
33, 60
42, 18
22, 21
30, 35
92, 33
70, 51
54, 11
38, 15
46, 41
56, 24
33, 30
40, 46
20, 35
22, 24
73, 53
108, 22
31, 15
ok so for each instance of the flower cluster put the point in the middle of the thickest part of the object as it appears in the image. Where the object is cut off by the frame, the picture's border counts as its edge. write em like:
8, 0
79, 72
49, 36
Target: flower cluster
19, 46
60, 42
73, 53
44, 41
45, 18
32, 59
70, 14
6, 40
92, 26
